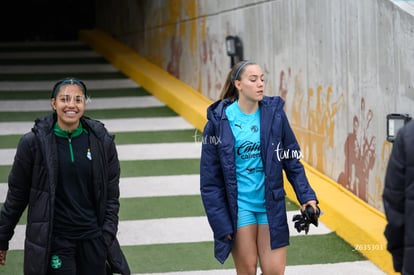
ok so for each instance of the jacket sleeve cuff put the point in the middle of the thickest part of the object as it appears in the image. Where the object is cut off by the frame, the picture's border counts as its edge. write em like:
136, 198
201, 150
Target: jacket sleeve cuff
108, 238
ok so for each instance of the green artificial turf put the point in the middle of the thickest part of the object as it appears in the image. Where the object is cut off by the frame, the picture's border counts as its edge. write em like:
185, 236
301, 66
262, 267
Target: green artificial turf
328, 248
4, 172
142, 168
173, 257
9, 141
144, 137
161, 207
14, 263
167, 207
153, 112
158, 258
121, 92
155, 137
162, 111
22, 116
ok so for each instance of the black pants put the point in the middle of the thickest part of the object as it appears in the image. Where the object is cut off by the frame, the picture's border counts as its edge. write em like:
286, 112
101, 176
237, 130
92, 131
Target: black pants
77, 257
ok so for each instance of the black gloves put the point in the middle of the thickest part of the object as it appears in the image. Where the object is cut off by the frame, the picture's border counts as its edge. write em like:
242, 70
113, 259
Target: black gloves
307, 217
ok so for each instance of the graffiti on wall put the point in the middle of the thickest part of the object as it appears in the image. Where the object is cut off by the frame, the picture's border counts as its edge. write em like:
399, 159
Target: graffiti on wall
168, 48
173, 66
359, 149
313, 118
375, 197
214, 73
283, 84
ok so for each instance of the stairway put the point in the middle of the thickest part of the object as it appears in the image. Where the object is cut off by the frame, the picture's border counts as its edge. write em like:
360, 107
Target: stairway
163, 229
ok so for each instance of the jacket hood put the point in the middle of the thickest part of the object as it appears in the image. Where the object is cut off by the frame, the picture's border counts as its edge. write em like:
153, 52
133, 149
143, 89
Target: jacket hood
216, 110
45, 123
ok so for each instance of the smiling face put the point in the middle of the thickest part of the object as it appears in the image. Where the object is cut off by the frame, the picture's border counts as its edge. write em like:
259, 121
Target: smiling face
69, 105
251, 84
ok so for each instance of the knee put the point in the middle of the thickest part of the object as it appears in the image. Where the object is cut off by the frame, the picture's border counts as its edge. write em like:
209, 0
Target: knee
247, 270
274, 271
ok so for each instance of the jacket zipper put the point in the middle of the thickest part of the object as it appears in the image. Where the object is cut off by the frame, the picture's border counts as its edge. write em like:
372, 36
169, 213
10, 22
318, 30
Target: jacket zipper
72, 157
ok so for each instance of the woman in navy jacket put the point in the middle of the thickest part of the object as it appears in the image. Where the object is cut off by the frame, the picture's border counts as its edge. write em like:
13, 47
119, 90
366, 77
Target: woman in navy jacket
247, 143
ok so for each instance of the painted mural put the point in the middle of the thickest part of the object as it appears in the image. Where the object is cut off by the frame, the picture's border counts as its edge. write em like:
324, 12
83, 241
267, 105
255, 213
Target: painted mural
359, 152
375, 195
213, 73
338, 82
173, 66
313, 117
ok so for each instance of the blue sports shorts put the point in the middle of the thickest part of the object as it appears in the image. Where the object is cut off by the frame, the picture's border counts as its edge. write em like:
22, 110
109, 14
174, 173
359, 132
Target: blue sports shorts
246, 217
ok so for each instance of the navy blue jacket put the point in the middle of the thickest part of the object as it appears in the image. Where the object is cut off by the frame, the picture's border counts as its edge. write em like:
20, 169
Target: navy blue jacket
218, 184
398, 199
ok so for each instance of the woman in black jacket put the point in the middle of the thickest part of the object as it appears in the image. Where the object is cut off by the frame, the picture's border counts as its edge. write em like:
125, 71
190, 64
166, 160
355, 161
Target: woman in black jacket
66, 171
398, 199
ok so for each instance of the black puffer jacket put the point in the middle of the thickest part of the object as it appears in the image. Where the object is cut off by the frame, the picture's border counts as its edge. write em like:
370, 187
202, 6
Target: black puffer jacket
398, 198
32, 183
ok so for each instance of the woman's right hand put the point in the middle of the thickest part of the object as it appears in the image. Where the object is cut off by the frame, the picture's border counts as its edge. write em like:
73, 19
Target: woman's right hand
3, 257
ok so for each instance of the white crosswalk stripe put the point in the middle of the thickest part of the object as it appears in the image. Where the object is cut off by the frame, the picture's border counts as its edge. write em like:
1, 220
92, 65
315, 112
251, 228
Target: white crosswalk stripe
183, 150
114, 125
151, 186
347, 268
168, 230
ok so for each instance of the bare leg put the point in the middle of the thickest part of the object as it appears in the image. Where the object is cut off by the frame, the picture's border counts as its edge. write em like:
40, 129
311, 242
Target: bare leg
245, 250
272, 262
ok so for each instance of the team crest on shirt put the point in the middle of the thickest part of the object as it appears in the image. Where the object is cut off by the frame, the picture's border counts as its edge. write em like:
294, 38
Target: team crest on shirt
55, 262
254, 129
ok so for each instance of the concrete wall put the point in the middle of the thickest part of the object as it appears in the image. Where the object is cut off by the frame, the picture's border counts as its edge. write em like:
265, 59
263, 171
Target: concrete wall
341, 65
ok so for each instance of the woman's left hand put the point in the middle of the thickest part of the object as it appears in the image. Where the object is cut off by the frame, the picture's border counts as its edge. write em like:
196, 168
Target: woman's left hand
313, 203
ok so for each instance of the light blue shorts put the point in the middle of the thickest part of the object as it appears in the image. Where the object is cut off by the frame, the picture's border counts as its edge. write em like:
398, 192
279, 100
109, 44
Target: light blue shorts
246, 217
